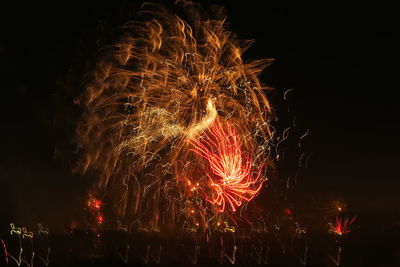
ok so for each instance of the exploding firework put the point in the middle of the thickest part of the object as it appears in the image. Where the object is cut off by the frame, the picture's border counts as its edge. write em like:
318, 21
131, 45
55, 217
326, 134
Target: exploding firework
235, 181
342, 225
175, 124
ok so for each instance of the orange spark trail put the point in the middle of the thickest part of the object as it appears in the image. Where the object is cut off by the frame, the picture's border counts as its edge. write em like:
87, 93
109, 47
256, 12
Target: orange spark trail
233, 180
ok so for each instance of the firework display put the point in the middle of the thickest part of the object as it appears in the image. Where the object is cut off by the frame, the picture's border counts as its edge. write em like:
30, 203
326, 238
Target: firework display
176, 124
143, 132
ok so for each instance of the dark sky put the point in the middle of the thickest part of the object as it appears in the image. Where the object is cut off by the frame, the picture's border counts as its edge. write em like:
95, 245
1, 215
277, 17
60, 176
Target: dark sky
341, 60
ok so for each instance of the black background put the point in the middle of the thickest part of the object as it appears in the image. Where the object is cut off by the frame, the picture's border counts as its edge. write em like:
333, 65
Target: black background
341, 60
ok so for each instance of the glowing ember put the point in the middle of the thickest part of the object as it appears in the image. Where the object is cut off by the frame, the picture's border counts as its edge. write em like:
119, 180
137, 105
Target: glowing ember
95, 208
95, 204
232, 179
99, 219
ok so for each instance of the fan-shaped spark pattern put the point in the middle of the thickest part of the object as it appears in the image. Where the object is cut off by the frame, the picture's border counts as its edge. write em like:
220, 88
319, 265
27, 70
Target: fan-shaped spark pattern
233, 179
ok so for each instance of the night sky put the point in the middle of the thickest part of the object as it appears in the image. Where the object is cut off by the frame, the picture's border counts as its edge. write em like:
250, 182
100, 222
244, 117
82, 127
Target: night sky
341, 61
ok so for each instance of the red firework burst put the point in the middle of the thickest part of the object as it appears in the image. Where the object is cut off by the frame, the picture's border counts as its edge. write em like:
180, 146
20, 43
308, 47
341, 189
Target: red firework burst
232, 178
95, 208
342, 225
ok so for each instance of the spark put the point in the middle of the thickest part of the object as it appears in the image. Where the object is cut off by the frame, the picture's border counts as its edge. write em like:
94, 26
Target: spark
303, 136
287, 91
5, 250
42, 230
95, 207
16, 231
26, 233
